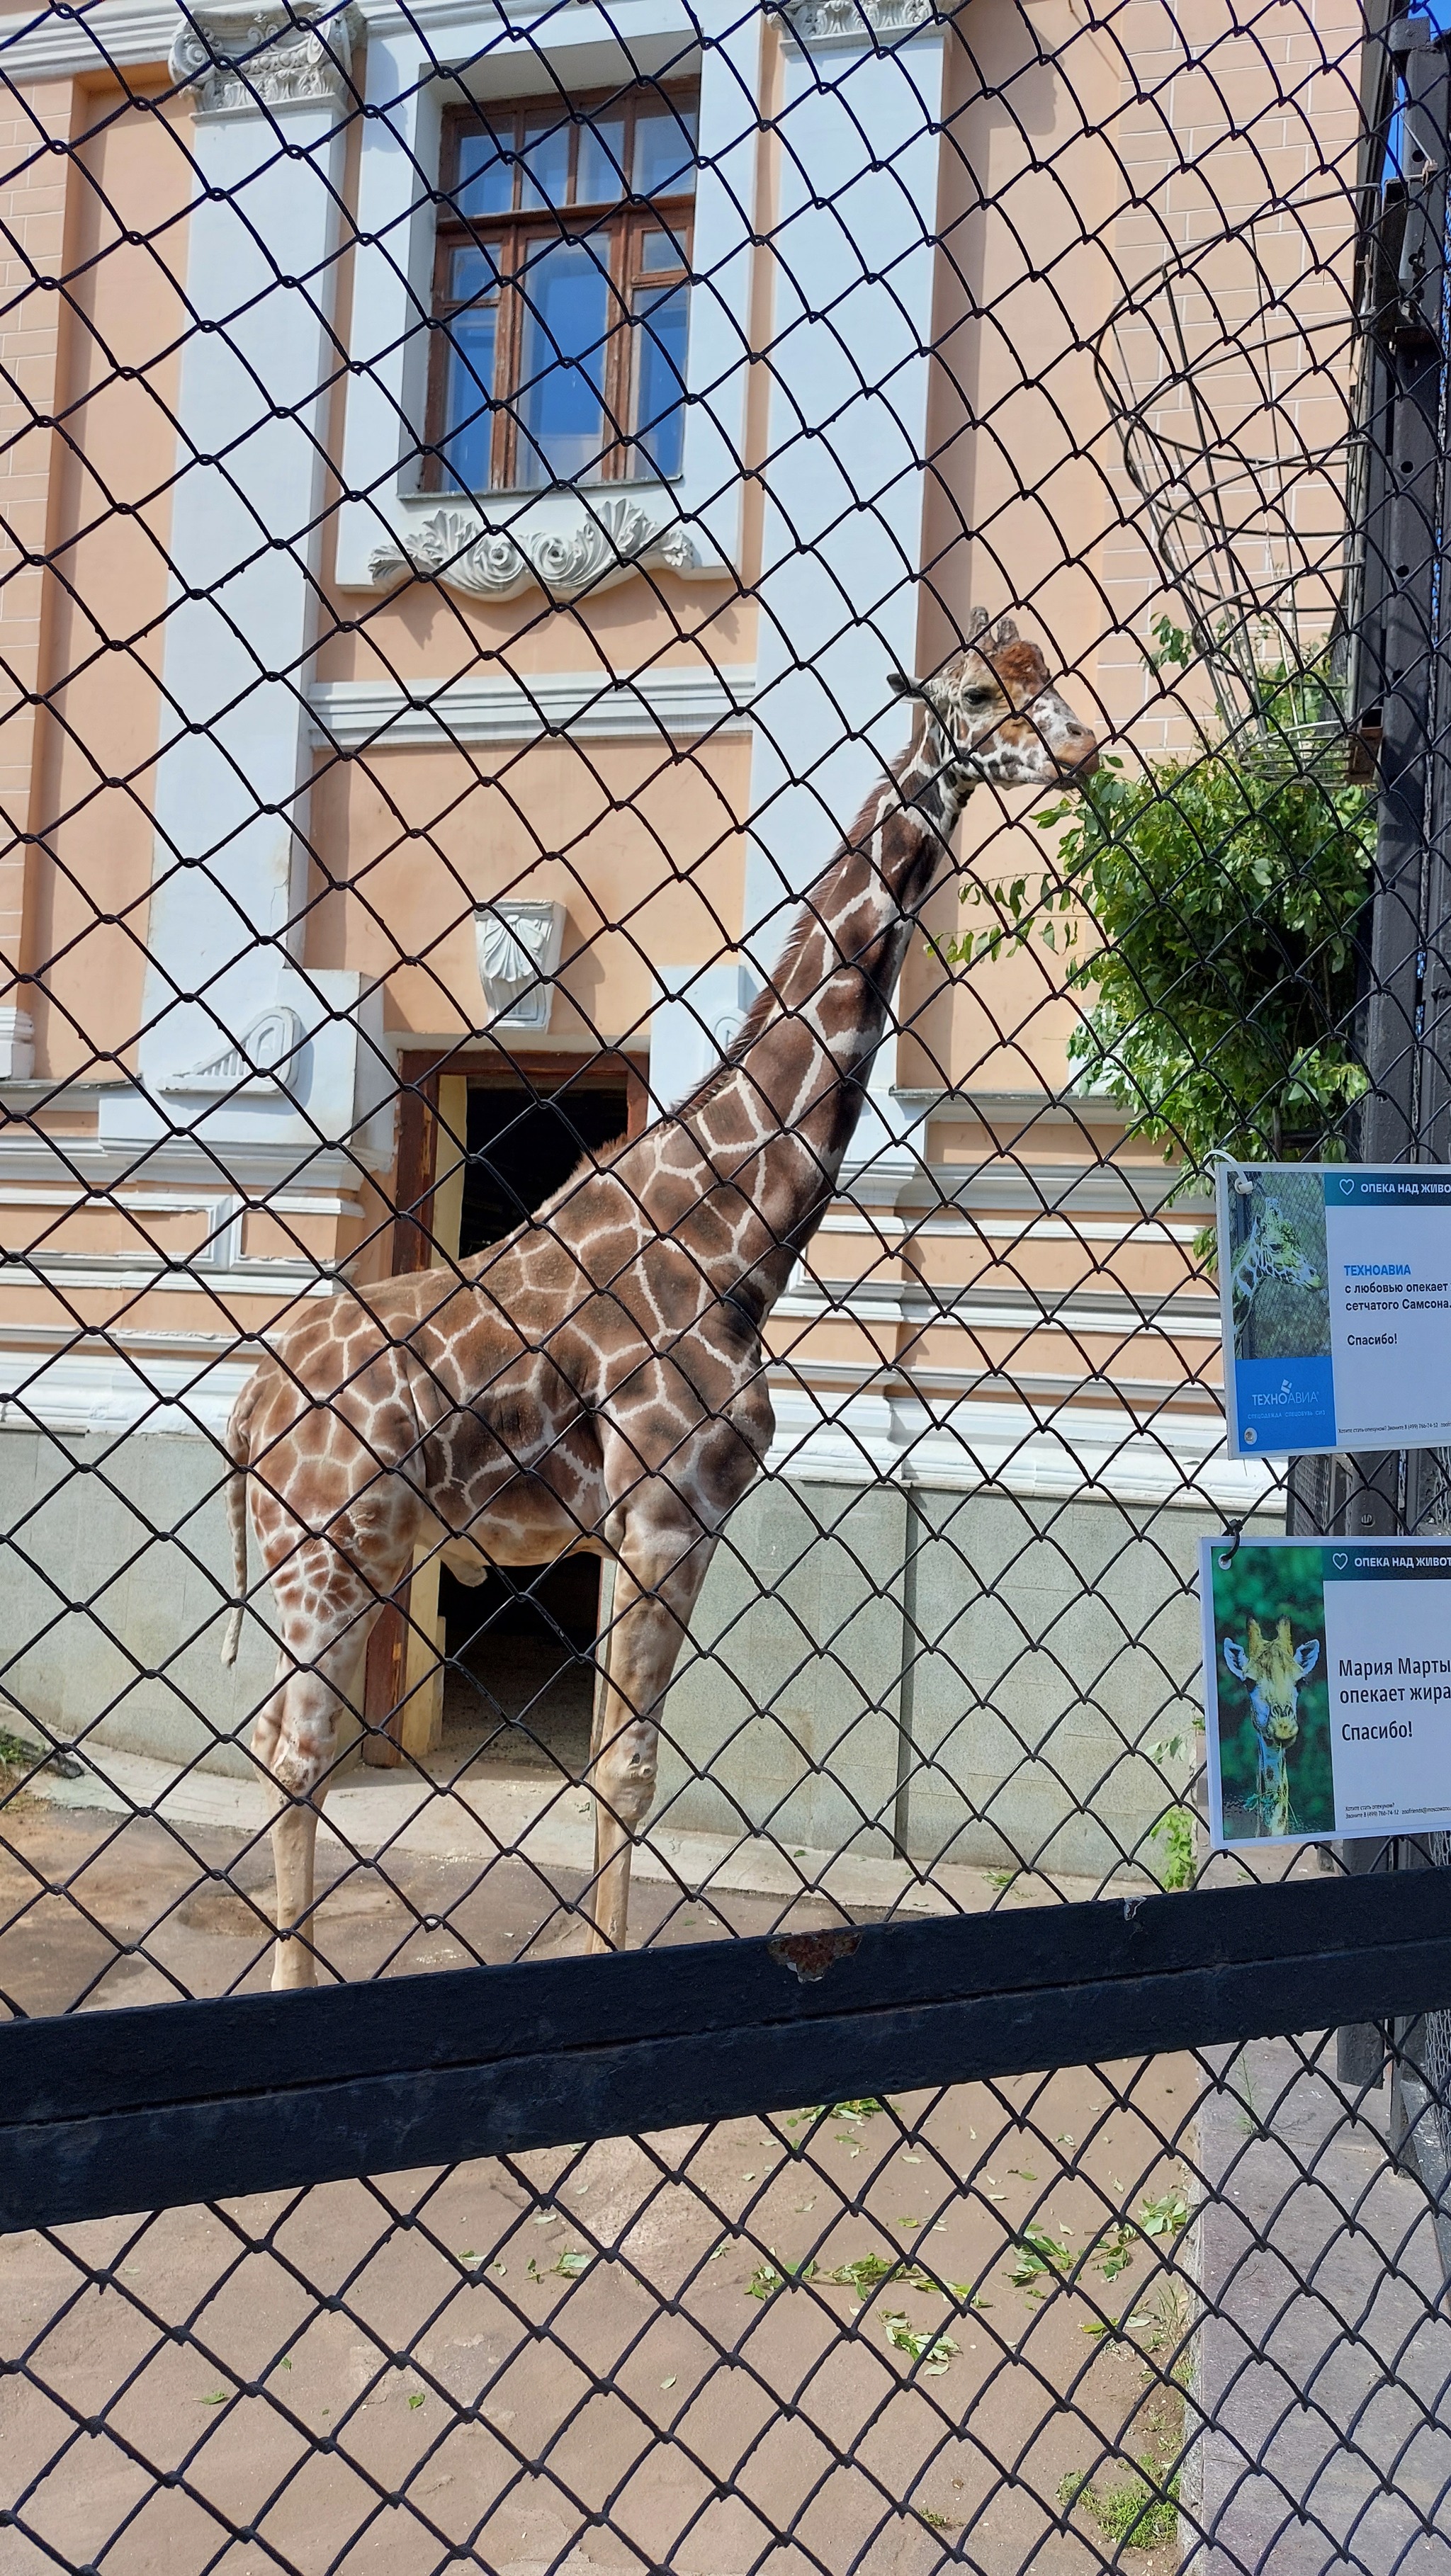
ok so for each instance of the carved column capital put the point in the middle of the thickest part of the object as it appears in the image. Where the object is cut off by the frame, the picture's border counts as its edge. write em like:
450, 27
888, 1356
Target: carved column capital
243, 57
860, 22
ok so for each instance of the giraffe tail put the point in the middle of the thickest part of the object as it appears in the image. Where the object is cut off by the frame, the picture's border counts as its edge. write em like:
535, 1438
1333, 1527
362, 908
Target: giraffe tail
236, 1443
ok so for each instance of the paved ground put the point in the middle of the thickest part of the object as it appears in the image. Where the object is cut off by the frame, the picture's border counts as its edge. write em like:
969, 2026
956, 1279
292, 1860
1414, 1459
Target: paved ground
560, 2362
1324, 2360
365, 2394
563, 2362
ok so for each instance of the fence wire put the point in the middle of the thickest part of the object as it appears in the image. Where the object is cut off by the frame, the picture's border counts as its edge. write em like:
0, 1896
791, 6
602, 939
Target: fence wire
694, 698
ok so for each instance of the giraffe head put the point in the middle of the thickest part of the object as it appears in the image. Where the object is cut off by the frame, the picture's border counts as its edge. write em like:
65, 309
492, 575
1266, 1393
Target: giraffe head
1279, 1250
1274, 1668
999, 718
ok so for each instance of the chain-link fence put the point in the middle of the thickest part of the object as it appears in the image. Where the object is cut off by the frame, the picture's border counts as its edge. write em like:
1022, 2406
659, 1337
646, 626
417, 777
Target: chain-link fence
693, 702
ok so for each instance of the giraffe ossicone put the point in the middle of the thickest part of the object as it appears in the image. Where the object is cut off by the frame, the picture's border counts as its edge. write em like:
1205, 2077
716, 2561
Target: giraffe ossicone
596, 1381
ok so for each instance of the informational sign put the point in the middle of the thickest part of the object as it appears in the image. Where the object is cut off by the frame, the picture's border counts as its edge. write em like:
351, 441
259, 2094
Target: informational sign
1327, 1688
1335, 1286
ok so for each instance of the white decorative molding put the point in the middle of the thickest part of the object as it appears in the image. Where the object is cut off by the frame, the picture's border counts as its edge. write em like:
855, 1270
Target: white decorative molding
187, 1173
17, 1044
256, 1060
604, 541
856, 22
1085, 1450
518, 944
43, 45
244, 55
587, 706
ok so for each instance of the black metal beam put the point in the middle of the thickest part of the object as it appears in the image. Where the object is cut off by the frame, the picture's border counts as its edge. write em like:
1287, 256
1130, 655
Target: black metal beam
151, 2108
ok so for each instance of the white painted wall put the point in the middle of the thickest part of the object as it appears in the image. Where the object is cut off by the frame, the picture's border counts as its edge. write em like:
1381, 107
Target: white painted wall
246, 531
849, 365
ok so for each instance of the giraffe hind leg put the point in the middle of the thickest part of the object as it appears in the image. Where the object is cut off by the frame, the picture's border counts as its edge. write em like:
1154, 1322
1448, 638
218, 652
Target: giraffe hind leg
296, 1739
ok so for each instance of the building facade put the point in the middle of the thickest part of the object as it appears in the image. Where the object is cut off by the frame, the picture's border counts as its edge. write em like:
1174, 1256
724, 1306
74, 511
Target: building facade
468, 479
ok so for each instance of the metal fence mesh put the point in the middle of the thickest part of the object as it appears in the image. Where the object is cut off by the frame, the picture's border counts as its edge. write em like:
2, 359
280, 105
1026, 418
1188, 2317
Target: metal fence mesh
672, 1233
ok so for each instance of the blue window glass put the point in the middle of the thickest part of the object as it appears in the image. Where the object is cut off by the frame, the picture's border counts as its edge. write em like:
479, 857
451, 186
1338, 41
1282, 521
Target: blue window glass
661, 321
599, 178
561, 409
661, 250
546, 162
562, 274
469, 383
664, 152
485, 184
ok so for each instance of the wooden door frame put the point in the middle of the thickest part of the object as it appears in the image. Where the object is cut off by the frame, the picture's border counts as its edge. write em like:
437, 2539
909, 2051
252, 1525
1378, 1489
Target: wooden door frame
419, 1076
387, 1695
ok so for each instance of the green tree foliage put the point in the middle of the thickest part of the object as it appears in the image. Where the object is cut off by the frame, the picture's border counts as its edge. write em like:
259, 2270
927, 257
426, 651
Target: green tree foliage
1208, 909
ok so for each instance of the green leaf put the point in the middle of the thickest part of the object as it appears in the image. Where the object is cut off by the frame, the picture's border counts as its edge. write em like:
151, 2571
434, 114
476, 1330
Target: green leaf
1114, 2253
1218, 986
935, 2351
1164, 2217
1037, 2254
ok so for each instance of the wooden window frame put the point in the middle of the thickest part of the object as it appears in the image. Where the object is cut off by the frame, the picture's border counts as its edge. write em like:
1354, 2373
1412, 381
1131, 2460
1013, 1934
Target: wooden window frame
506, 237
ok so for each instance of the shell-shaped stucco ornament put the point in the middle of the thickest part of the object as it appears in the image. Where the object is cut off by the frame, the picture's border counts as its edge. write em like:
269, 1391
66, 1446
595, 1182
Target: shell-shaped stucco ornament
518, 943
600, 542
258, 1059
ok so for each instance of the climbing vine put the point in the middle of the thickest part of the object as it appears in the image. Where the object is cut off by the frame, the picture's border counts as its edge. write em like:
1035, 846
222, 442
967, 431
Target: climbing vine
1208, 909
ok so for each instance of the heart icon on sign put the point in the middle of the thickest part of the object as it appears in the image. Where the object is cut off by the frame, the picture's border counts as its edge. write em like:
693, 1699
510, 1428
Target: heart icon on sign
1340, 1559
1347, 1189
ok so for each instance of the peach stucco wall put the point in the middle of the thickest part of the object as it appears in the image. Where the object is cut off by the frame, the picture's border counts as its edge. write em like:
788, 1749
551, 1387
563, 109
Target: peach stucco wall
32, 209
113, 467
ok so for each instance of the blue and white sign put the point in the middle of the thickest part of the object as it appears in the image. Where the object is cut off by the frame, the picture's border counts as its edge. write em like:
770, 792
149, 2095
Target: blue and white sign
1335, 1286
1327, 1698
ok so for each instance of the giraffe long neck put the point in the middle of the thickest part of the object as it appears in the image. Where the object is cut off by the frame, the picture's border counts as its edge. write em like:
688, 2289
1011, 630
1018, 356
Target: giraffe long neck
1274, 1790
776, 1125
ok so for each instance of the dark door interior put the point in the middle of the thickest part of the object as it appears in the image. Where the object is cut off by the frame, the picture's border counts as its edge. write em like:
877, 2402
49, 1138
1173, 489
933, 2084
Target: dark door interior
520, 1646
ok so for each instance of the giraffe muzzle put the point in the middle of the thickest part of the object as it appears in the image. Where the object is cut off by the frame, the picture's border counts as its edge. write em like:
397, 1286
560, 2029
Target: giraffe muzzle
1078, 762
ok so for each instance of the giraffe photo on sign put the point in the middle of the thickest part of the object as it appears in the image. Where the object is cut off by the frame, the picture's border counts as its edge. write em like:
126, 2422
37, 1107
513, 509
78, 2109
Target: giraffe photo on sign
1335, 1296
1327, 1671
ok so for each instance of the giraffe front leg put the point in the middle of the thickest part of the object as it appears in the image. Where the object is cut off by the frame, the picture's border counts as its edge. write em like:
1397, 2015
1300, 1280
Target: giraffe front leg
656, 1589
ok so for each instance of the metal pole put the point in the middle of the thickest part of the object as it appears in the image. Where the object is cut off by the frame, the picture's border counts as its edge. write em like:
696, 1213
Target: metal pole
1404, 1115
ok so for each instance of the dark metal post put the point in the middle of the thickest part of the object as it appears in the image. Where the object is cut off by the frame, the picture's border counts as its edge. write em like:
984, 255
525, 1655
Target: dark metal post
1404, 1115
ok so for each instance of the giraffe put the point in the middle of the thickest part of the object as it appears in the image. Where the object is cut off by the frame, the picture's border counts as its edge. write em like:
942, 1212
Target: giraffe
596, 1382
1272, 1250
1274, 1668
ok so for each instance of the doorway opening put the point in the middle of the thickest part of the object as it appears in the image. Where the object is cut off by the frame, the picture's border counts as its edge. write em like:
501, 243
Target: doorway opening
520, 1646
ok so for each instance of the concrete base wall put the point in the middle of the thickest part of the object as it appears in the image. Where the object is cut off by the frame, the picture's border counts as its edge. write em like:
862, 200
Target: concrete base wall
980, 1675
115, 1593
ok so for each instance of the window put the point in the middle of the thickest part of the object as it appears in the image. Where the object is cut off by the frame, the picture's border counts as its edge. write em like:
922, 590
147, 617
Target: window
563, 279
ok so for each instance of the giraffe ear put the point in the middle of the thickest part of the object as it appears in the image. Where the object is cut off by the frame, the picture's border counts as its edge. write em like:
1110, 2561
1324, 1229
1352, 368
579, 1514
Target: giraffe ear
900, 685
